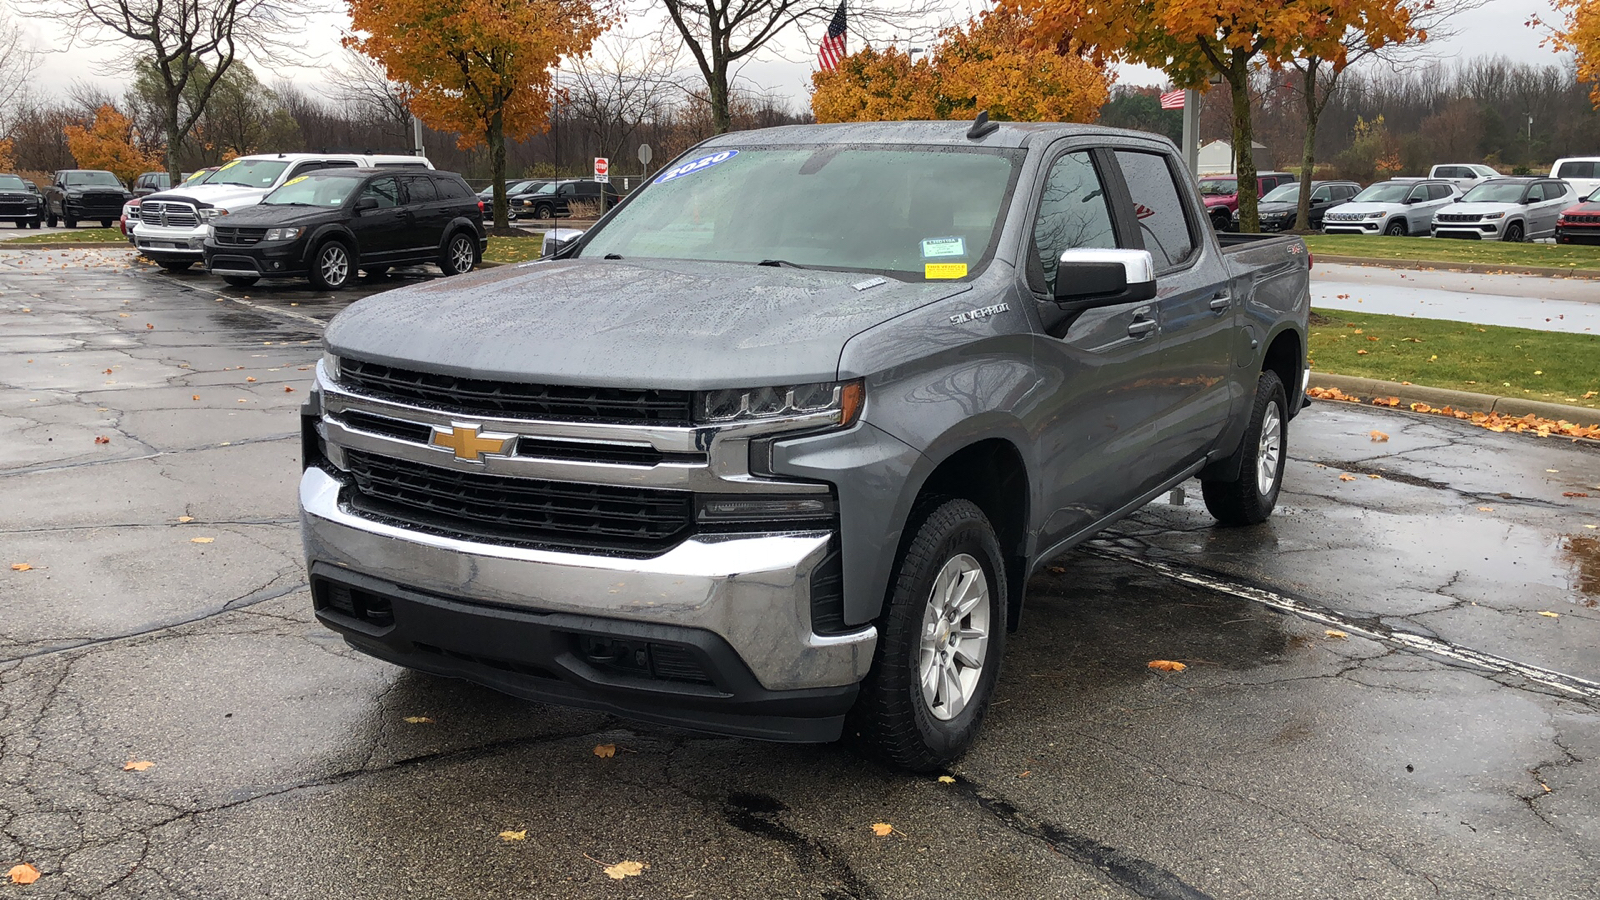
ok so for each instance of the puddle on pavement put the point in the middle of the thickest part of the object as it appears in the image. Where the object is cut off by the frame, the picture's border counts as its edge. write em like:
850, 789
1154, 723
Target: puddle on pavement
1582, 553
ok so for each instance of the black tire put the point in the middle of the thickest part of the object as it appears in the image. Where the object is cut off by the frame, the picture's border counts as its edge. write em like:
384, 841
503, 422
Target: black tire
50, 219
242, 281
326, 272
34, 224
105, 223
1396, 227
460, 254
1222, 221
1514, 233
68, 220
376, 271
543, 211
1246, 500
176, 265
20, 223
891, 716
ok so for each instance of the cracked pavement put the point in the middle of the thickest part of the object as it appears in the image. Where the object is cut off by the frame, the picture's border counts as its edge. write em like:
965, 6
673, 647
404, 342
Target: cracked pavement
1283, 763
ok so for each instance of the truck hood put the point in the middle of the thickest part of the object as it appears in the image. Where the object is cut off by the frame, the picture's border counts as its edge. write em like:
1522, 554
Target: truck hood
227, 196
1367, 207
1478, 209
261, 215
665, 324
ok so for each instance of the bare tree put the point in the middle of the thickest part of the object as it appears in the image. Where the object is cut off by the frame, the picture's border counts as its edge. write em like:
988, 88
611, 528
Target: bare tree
720, 34
366, 90
18, 58
622, 84
189, 45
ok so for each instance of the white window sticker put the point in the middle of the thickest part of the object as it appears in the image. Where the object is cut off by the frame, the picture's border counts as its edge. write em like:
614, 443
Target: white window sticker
943, 246
695, 165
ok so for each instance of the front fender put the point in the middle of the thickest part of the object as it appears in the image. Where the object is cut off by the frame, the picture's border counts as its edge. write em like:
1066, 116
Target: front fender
321, 233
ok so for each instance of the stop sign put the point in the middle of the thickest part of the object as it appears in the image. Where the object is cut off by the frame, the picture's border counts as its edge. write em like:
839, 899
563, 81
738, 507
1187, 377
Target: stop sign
602, 166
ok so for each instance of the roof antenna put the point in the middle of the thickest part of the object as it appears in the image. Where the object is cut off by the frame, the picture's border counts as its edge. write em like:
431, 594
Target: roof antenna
982, 127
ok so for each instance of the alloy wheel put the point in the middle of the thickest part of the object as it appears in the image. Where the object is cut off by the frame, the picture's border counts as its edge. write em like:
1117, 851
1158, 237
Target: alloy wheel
461, 255
955, 637
335, 264
1269, 454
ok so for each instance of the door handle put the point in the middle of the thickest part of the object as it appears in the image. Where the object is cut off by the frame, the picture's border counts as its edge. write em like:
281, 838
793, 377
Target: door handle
1141, 327
1221, 302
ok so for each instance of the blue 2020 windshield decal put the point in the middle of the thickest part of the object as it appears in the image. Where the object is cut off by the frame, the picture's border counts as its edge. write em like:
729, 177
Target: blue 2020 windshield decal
695, 165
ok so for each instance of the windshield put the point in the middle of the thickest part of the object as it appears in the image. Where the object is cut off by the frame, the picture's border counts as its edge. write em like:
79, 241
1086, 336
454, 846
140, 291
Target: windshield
1496, 192
93, 179
200, 177
12, 183
1286, 193
1219, 187
1385, 192
315, 189
548, 188
931, 214
256, 173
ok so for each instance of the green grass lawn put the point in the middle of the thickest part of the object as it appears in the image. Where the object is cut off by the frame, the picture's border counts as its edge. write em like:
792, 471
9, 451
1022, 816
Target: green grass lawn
1568, 256
1509, 362
512, 249
75, 236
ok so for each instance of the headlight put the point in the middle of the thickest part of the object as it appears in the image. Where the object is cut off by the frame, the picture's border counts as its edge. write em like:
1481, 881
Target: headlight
1498, 215
211, 232
330, 366
283, 234
716, 509
740, 405
207, 215
1376, 215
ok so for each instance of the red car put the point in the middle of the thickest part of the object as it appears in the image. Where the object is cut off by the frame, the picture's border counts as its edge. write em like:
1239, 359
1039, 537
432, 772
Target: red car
1221, 193
1579, 224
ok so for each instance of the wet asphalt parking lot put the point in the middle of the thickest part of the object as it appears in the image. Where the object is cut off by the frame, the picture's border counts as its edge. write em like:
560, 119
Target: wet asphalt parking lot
1446, 746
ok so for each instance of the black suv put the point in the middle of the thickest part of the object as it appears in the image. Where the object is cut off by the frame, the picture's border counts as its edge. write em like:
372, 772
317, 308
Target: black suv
20, 201
1281, 206
78, 194
554, 199
326, 225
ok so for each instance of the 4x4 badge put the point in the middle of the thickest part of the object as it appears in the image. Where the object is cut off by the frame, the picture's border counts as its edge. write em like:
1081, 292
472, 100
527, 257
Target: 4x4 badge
468, 443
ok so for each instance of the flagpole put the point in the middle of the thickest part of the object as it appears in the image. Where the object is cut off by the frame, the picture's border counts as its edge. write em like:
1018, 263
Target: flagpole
1191, 132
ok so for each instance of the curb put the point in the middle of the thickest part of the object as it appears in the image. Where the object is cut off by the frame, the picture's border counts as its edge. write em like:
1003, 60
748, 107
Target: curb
1476, 268
14, 244
1466, 401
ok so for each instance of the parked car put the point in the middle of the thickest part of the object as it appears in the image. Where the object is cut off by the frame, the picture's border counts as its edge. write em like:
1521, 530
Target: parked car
1221, 193
151, 182
130, 210
1582, 172
515, 195
326, 225
171, 228
1463, 175
1397, 207
78, 194
1279, 209
1579, 224
785, 436
1506, 209
20, 201
554, 198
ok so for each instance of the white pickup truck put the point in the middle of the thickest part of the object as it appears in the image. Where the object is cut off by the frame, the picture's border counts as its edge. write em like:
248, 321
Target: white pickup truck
171, 228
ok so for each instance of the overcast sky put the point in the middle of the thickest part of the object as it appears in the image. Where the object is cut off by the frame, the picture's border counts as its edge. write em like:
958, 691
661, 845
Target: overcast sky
1496, 28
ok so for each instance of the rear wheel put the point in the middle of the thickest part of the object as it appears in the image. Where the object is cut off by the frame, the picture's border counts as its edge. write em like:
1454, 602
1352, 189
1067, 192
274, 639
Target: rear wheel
940, 642
1396, 227
176, 265
1251, 498
242, 281
1514, 232
331, 268
50, 219
376, 271
105, 223
1221, 221
460, 255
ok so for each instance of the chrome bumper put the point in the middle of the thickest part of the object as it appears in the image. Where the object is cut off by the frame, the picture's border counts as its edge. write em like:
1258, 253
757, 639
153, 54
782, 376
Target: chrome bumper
751, 590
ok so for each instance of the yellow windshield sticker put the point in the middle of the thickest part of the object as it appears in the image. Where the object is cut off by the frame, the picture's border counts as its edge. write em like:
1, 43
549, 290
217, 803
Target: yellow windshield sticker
228, 165
944, 270
295, 180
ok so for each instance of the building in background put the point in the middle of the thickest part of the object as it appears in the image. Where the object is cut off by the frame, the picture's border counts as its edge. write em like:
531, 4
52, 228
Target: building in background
1216, 158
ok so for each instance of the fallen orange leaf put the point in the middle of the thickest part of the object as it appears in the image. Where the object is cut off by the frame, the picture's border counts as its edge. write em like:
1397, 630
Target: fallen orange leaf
186, 518
625, 869
137, 765
882, 829
23, 874
509, 836
1574, 494
20, 567
201, 540
149, 326
249, 378
1335, 633
195, 397
605, 751
106, 372
1485, 509
947, 779
1549, 615
1377, 436
419, 720
1166, 665
287, 389
1346, 476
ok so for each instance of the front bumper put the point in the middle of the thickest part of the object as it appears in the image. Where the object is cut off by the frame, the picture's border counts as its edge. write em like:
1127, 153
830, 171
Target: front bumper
266, 259
511, 618
1469, 231
1370, 226
169, 243
1577, 234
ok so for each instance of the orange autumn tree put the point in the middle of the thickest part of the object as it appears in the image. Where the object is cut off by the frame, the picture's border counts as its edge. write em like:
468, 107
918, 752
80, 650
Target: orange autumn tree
110, 144
481, 68
1192, 40
1578, 34
7, 163
983, 66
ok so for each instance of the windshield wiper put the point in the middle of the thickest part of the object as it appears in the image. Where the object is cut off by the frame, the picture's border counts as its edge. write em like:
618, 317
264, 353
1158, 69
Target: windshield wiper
612, 256
779, 264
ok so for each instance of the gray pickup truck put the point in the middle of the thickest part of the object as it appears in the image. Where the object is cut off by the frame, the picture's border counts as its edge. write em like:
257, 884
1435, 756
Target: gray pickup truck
776, 445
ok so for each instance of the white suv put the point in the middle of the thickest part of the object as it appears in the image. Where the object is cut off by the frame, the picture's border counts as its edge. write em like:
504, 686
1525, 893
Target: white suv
1582, 172
1463, 175
171, 226
1399, 207
1506, 209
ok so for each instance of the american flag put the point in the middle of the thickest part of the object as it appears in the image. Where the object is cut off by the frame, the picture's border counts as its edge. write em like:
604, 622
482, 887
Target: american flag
832, 49
1172, 100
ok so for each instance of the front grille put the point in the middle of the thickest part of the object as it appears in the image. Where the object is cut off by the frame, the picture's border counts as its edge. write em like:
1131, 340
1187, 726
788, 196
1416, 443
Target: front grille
1580, 220
168, 213
101, 203
15, 208
1457, 217
1461, 235
520, 511
516, 400
226, 236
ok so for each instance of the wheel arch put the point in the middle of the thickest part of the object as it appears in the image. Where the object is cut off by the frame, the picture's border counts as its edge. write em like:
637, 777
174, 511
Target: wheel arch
332, 231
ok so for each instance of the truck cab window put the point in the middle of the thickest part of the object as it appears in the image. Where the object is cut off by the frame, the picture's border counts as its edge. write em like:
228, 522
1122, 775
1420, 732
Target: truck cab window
1159, 208
384, 191
1072, 213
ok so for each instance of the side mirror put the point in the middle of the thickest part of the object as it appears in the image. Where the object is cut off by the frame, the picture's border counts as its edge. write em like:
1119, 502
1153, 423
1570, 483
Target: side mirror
556, 240
1089, 278
366, 203
1584, 199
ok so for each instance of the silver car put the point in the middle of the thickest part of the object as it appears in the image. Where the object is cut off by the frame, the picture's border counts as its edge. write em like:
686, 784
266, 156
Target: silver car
1397, 208
1506, 209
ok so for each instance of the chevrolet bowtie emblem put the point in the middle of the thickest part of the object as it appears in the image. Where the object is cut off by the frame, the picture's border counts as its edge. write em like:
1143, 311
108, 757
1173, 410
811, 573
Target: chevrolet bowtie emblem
468, 443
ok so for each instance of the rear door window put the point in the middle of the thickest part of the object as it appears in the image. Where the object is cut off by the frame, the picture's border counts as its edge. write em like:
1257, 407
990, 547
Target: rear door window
1439, 191
1576, 168
420, 190
384, 190
1158, 207
1073, 212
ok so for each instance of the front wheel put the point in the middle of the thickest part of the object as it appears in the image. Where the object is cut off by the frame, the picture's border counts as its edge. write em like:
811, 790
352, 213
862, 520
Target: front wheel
330, 268
68, 220
543, 211
1514, 232
460, 255
1396, 228
50, 219
1251, 498
940, 642
34, 224
105, 223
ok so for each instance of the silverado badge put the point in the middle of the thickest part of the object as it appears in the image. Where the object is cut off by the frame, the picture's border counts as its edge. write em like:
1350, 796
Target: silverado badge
467, 443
